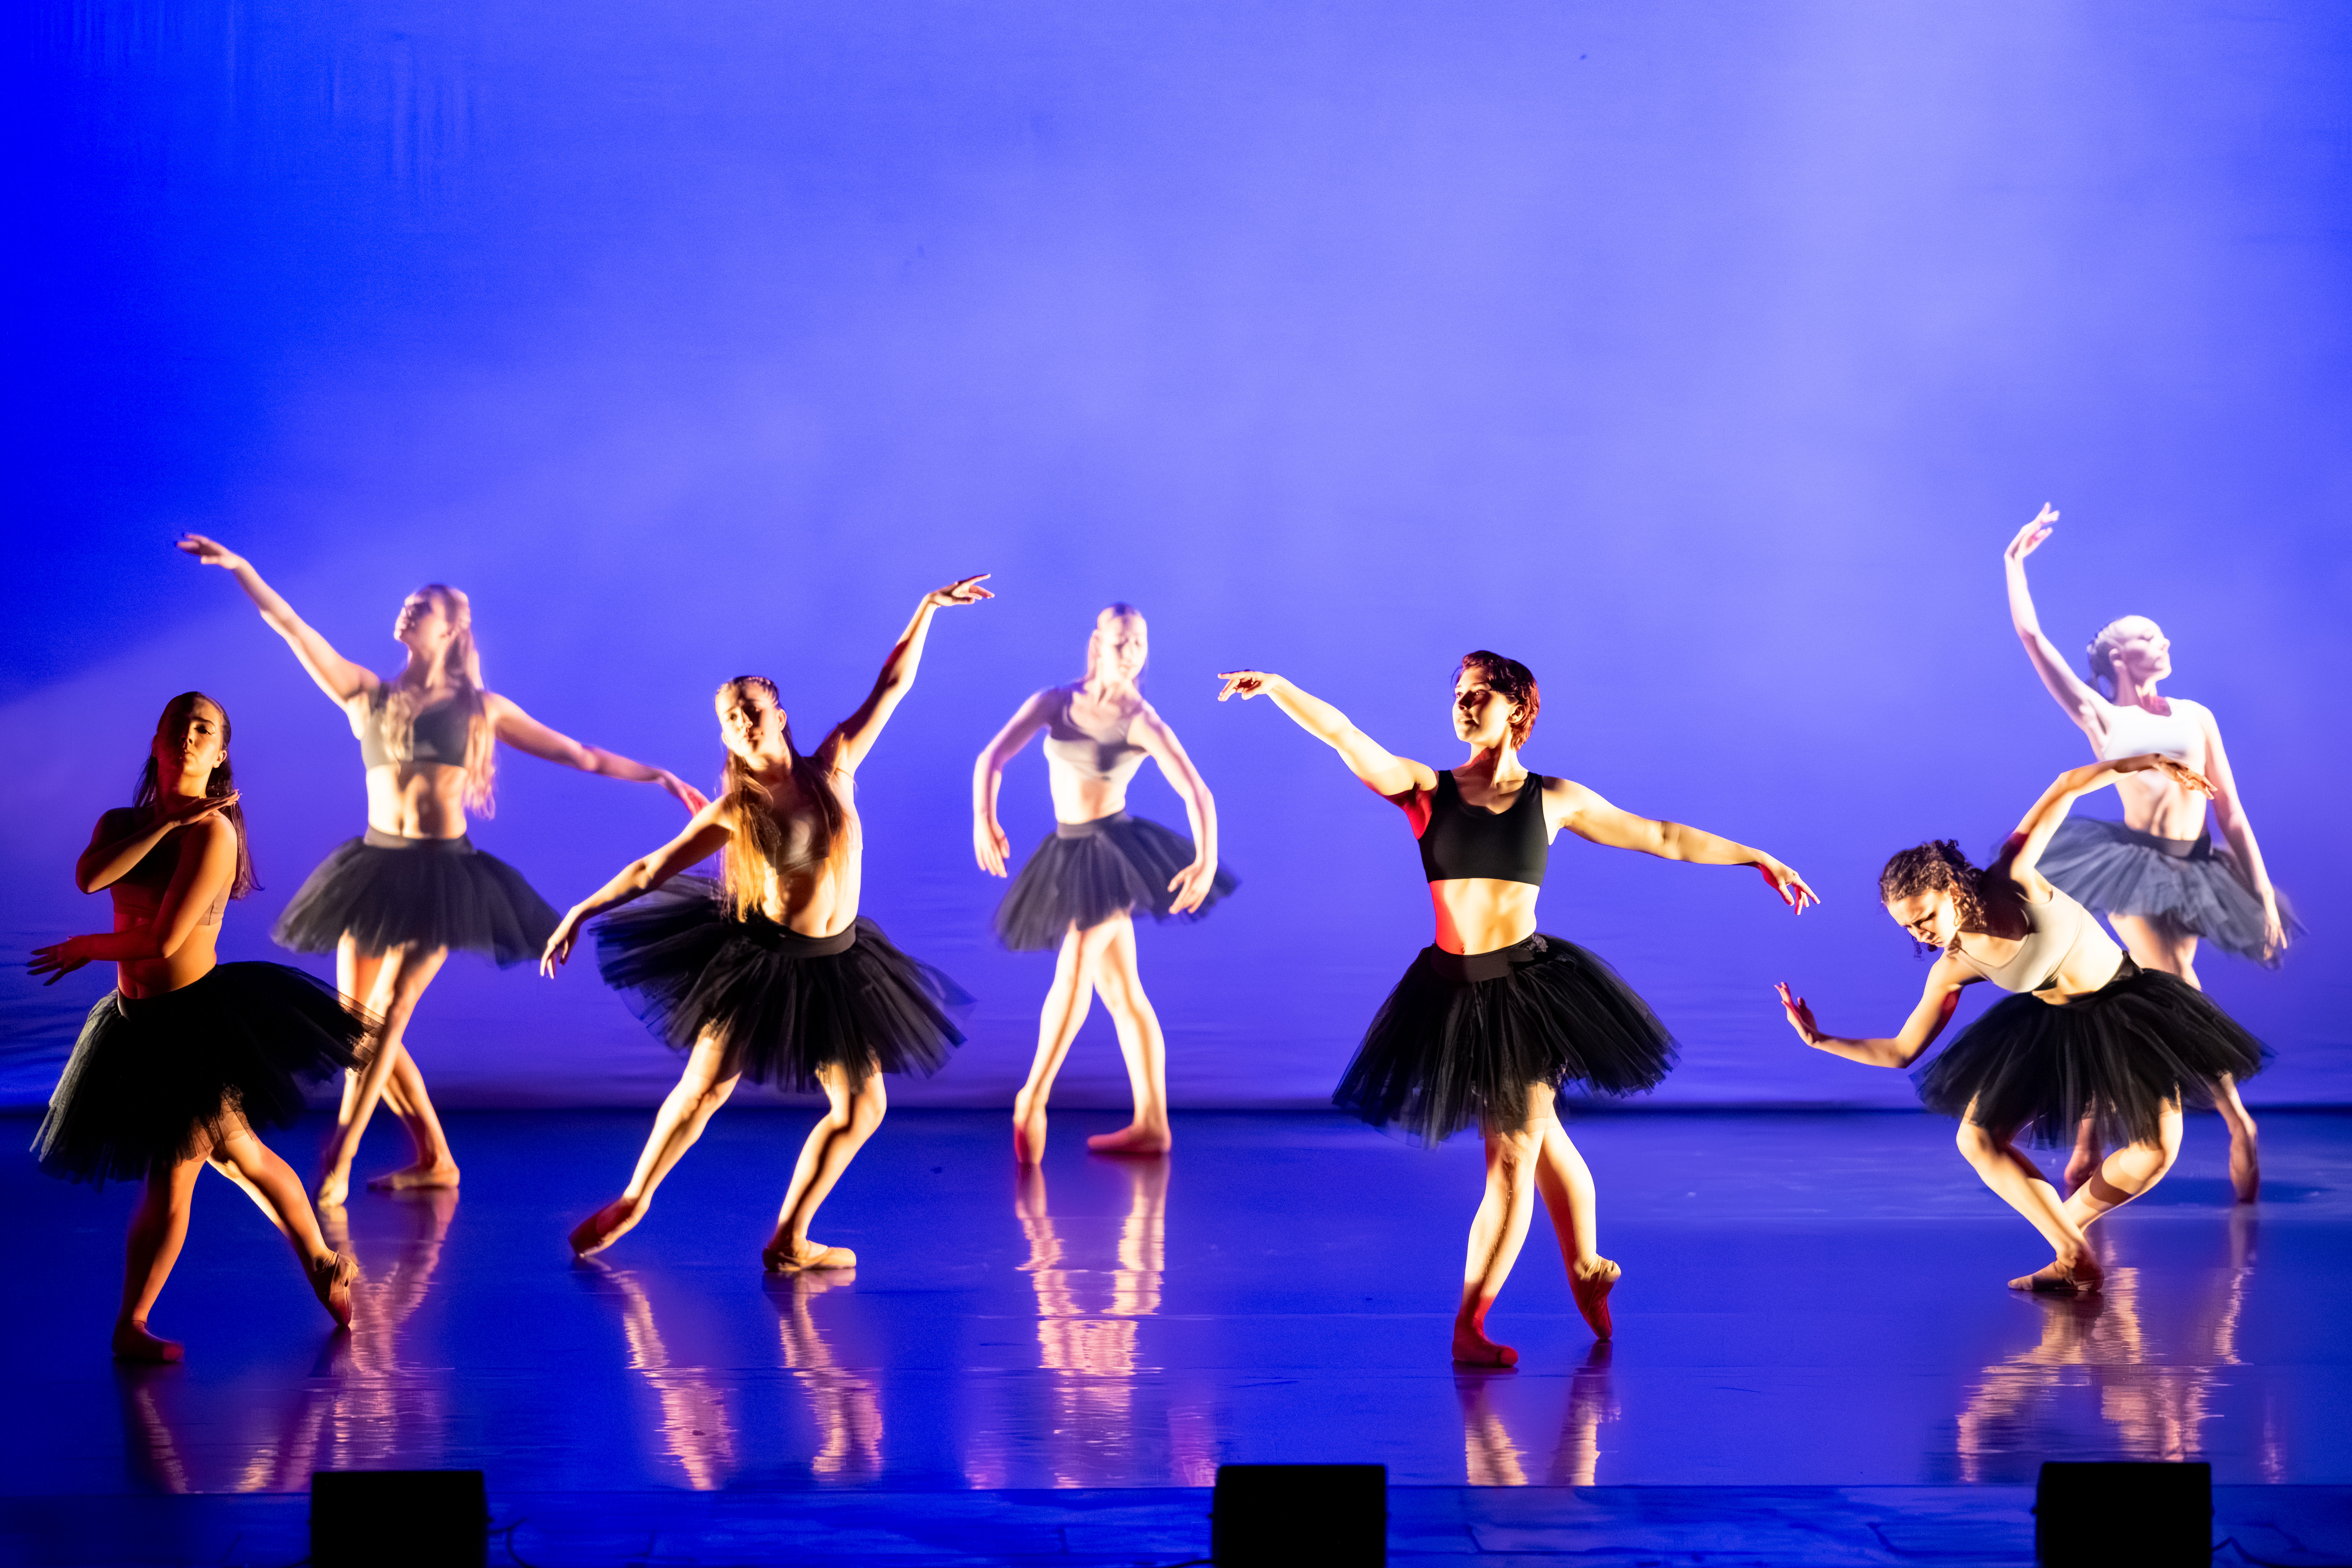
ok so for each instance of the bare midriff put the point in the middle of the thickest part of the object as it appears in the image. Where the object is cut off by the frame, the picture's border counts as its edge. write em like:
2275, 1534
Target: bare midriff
1077, 798
1479, 914
417, 800
141, 977
2154, 804
818, 900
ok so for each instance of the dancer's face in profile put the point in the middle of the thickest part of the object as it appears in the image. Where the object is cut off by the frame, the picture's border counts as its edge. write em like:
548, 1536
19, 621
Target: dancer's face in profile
1930, 916
1482, 715
189, 745
751, 724
2141, 651
1121, 644
424, 623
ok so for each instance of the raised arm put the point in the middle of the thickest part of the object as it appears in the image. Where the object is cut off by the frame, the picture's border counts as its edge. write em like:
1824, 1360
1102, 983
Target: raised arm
2069, 689
703, 837
120, 843
1192, 884
989, 845
528, 735
1585, 813
338, 676
1918, 1032
851, 739
197, 897
1398, 778
2230, 810
2023, 849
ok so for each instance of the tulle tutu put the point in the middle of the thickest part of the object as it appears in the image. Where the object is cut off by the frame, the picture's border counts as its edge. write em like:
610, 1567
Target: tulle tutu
2119, 1054
1462, 1037
783, 1004
389, 892
2120, 871
1086, 872
149, 1077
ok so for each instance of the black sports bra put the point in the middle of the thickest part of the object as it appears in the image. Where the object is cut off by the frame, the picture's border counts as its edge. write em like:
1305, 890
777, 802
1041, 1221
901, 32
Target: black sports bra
1465, 840
440, 736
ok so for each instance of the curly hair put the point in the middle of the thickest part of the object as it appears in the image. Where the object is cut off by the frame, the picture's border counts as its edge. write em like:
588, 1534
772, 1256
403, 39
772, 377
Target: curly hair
1927, 867
1513, 680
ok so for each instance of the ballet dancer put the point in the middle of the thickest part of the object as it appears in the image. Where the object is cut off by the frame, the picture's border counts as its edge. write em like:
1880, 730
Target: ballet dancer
1494, 1019
770, 970
2085, 1032
2155, 875
391, 905
1081, 887
186, 1055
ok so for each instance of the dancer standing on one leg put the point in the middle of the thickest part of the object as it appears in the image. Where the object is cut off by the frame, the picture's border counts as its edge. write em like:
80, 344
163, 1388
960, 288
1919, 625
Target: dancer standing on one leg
2085, 1033
187, 1055
1492, 1021
391, 905
2155, 875
771, 971
1080, 889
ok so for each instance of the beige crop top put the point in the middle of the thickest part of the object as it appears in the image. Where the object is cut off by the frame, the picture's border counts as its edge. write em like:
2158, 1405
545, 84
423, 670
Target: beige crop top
2054, 930
1106, 756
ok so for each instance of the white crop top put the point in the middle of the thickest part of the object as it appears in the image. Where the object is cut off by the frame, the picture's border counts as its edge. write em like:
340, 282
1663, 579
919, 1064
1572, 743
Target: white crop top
2133, 731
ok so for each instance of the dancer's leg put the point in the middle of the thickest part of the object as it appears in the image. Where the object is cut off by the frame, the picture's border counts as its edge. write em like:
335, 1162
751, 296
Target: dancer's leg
2245, 1158
701, 1089
402, 974
1119, 981
158, 1227
435, 1166
1499, 1230
273, 1183
2021, 1185
2127, 1173
1066, 1004
852, 1113
1564, 1183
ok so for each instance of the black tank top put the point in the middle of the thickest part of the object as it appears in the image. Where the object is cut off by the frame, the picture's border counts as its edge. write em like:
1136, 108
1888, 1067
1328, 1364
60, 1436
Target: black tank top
1465, 840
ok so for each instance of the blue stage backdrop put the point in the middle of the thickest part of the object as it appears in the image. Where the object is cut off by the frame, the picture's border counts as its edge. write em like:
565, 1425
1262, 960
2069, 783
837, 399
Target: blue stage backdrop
1703, 357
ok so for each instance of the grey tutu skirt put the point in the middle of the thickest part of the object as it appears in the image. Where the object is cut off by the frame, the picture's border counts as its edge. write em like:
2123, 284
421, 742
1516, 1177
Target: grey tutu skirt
2121, 1054
2120, 871
1462, 1037
782, 1005
1086, 872
151, 1079
386, 891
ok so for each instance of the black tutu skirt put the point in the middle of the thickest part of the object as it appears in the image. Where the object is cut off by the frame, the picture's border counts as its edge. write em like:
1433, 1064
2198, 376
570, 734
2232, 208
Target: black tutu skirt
1086, 872
387, 891
2120, 1054
2120, 871
150, 1079
1462, 1037
781, 1004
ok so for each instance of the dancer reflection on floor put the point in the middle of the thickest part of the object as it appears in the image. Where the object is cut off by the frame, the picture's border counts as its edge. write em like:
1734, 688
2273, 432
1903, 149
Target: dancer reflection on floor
1081, 886
1492, 1022
2085, 1032
771, 971
392, 904
2154, 875
180, 1062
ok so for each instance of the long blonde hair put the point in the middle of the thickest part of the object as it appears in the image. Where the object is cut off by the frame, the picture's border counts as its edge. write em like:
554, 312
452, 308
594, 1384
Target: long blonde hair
756, 843
460, 666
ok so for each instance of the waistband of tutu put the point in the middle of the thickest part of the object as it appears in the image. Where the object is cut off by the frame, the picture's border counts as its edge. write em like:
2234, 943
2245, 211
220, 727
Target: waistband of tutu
1086, 830
2197, 849
794, 944
132, 1006
461, 844
1469, 968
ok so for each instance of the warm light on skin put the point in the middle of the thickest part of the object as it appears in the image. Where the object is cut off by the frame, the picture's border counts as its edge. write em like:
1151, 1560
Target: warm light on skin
424, 623
2139, 651
1482, 715
1929, 917
187, 751
1122, 644
751, 726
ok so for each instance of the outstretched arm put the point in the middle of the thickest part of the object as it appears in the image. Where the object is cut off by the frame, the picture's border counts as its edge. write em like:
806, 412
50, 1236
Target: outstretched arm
704, 837
2024, 847
2071, 691
844, 749
527, 734
1918, 1032
1585, 813
1192, 884
989, 845
2232, 812
1397, 778
338, 676
196, 897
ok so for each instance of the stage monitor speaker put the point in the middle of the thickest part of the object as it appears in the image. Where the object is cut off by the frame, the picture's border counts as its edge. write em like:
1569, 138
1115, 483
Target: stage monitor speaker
1284, 1516
2148, 1515
415, 1519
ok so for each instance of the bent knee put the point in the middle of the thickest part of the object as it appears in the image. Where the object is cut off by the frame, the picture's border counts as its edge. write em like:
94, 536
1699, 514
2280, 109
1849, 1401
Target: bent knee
1979, 1143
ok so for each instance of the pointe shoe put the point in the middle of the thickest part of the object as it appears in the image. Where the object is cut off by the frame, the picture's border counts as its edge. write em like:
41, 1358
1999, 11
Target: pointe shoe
792, 1258
1133, 1143
605, 1226
331, 1278
1591, 1294
133, 1343
2082, 1277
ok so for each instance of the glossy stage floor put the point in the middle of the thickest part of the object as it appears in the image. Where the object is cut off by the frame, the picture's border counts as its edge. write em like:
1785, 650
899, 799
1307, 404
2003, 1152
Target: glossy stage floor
1816, 1358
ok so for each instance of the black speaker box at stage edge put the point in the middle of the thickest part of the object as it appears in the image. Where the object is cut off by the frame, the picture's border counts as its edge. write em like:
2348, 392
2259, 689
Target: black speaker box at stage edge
376, 1518
2148, 1515
1282, 1516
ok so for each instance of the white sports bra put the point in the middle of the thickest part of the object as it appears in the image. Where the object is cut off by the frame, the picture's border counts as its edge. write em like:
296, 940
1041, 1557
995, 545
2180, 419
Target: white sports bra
2133, 731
